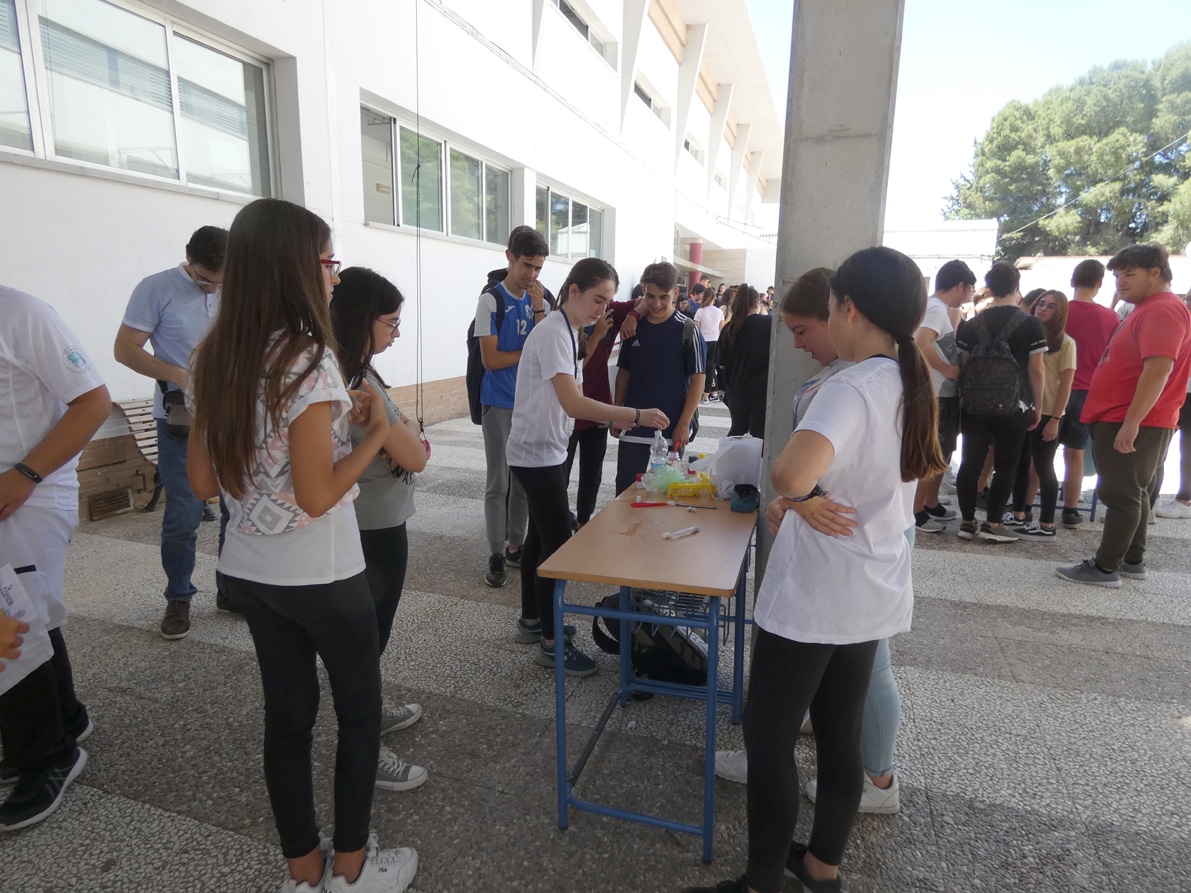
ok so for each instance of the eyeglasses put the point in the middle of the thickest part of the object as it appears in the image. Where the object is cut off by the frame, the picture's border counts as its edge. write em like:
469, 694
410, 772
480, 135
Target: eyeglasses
332, 263
1047, 306
392, 325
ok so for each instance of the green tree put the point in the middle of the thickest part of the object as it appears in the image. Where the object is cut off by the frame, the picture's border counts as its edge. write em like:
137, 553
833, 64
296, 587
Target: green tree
1107, 158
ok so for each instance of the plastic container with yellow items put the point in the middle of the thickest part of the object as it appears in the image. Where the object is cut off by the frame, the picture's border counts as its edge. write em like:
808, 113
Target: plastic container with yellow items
694, 487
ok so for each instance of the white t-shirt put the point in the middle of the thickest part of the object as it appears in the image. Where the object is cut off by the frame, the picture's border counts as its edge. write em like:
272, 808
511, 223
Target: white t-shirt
270, 539
541, 427
939, 322
42, 368
841, 590
709, 319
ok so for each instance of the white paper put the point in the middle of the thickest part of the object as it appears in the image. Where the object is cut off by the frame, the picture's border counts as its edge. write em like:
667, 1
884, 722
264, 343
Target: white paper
15, 602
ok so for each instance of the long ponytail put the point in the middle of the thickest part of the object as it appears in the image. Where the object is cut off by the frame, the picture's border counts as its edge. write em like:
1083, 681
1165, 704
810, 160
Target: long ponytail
887, 288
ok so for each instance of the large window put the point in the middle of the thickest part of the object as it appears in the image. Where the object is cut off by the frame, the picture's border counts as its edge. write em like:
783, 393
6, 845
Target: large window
575, 18
134, 92
573, 228
476, 204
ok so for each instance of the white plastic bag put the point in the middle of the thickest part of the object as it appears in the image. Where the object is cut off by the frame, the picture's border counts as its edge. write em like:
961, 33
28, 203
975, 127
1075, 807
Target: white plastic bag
16, 602
737, 461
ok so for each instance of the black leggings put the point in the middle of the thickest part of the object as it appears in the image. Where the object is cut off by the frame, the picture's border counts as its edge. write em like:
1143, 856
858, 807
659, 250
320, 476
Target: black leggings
786, 678
549, 528
592, 444
290, 625
1005, 436
1039, 454
711, 377
386, 554
746, 421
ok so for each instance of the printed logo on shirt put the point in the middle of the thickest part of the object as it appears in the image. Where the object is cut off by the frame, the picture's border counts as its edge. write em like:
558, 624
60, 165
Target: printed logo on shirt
75, 360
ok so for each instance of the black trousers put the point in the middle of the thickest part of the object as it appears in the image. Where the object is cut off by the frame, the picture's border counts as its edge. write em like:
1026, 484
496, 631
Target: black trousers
290, 626
632, 459
1006, 436
785, 679
40, 714
746, 421
386, 554
592, 446
549, 527
1038, 454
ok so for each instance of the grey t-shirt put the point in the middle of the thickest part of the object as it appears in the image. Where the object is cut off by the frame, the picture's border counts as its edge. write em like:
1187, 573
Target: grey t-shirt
386, 497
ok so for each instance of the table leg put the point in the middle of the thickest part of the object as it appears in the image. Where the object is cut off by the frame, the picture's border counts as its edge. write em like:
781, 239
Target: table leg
626, 647
713, 683
560, 705
738, 656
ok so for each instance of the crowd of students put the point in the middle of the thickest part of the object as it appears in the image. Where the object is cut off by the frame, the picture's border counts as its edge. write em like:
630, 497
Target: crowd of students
284, 417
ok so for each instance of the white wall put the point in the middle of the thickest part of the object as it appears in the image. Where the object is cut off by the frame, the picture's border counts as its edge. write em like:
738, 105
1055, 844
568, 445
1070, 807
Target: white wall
81, 239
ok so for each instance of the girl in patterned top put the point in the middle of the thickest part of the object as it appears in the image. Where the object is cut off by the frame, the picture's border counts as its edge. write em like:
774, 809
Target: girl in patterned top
270, 433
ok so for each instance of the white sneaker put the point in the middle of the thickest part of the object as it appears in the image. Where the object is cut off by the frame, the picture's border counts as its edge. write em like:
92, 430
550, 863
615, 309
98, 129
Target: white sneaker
732, 765
1173, 509
880, 801
292, 886
393, 774
384, 871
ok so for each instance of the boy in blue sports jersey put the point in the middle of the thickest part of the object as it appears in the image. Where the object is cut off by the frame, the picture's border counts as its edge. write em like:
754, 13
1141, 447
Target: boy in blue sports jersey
662, 365
523, 302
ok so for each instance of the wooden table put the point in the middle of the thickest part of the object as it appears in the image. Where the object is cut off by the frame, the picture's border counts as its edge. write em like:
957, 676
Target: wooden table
623, 546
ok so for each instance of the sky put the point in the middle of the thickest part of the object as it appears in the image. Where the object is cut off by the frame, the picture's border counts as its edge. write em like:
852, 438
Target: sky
962, 60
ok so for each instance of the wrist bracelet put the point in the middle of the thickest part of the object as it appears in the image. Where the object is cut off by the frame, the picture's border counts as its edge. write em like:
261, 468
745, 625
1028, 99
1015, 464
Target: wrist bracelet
536, 312
818, 491
637, 418
28, 472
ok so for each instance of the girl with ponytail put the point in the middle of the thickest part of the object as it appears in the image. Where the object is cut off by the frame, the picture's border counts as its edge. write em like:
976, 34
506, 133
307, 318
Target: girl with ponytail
829, 597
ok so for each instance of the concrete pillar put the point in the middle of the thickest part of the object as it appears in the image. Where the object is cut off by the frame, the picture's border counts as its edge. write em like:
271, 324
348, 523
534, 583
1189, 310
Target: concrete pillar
696, 257
839, 126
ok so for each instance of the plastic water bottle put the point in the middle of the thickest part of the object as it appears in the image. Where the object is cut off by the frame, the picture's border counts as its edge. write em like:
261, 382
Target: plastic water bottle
659, 453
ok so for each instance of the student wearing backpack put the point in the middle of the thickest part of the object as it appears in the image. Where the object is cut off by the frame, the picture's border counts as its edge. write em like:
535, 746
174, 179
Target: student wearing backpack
505, 315
1001, 371
661, 365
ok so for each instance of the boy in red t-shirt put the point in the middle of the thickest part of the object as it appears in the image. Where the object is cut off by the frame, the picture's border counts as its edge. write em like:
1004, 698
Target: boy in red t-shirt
1133, 408
1091, 326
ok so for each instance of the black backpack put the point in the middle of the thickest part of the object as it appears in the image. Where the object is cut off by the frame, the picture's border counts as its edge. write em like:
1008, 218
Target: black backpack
658, 652
991, 383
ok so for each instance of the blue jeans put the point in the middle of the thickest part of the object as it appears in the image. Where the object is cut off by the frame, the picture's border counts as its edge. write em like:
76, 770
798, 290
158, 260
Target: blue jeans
882, 715
180, 521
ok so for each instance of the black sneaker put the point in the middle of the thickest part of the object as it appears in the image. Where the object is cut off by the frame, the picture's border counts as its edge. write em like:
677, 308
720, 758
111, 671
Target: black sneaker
38, 793
176, 623
796, 868
224, 604
1072, 518
81, 731
1037, 532
496, 576
513, 556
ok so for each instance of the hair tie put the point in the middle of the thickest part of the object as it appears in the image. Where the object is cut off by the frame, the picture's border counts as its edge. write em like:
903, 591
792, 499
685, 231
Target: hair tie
901, 342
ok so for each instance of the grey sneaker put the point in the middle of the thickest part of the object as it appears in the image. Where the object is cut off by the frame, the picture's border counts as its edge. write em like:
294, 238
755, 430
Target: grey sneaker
574, 661
1087, 572
176, 623
394, 718
530, 633
967, 530
393, 774
875, 800
995, 533
1134, 570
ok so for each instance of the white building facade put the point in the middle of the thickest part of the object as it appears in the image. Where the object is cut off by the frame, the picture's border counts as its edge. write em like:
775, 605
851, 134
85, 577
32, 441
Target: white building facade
421, 130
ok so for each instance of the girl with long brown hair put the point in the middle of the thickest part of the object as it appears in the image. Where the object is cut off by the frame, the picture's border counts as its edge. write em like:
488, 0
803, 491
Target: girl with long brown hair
1058, 363
827, 600
270, 434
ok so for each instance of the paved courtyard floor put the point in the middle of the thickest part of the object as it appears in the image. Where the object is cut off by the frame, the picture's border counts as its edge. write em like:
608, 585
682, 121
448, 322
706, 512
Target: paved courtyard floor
1045, 743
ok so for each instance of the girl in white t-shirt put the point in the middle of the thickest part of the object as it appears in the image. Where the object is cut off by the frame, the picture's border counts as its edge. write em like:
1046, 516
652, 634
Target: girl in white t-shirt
549, 395
710, 320
826, 601
270, 435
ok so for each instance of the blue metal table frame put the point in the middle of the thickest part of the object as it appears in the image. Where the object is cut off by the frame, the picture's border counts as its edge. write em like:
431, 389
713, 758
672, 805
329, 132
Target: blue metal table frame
711, 694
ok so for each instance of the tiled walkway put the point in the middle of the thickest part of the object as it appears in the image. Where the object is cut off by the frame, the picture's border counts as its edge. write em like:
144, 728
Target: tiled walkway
1045, 743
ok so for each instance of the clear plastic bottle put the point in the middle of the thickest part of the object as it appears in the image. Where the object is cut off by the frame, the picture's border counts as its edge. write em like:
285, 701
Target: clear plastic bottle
659, 453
